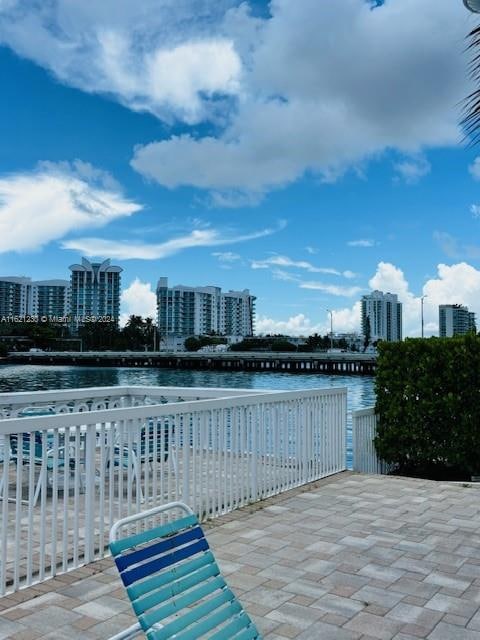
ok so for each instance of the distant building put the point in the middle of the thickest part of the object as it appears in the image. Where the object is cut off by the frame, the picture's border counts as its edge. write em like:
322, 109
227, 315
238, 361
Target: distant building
50, 298
20, 296
192, 311
382, 313
14, 295
95, 291
455, 320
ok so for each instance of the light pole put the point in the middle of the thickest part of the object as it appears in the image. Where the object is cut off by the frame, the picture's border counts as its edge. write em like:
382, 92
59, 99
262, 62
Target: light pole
331, 327
421, 300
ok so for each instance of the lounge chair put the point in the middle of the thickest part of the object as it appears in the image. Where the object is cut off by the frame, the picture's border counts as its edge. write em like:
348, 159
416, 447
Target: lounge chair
38, 448
174, 583
153, 445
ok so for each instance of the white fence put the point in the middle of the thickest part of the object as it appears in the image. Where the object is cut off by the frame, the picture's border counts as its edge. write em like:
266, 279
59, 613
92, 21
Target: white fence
364, 430
65, 478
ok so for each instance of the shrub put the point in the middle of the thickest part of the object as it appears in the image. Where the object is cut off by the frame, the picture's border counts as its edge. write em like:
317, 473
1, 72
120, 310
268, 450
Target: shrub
428, 403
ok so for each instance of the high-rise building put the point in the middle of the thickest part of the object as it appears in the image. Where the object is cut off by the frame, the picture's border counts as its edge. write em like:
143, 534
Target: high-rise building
20, 296
237, 313
14, 295
50, 298
382, 316
95, 290
193, 311
455, 320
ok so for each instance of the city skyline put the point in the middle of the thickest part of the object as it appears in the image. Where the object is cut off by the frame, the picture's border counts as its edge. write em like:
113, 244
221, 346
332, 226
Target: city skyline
221, 152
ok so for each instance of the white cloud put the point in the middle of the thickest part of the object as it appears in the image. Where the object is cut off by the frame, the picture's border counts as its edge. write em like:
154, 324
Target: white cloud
475, 210
332, 289
361, 243
311, 250
411, 170
285, 261
123, 250
344, 321
150, 55
474, 169
454, 284
301, 91
55, 199
298, 325
226, 256
138, 299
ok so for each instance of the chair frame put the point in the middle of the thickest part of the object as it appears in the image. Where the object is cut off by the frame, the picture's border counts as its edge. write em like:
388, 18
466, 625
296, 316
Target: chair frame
136, 629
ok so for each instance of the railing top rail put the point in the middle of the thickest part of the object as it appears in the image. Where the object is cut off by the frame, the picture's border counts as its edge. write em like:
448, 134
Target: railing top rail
369, 411
19, 397
17, 425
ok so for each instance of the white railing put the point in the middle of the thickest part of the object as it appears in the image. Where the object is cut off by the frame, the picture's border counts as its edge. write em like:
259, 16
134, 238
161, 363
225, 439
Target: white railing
98, 398
364, 430
68, 477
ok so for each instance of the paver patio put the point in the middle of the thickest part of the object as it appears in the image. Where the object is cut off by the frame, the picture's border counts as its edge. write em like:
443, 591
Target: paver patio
352, 557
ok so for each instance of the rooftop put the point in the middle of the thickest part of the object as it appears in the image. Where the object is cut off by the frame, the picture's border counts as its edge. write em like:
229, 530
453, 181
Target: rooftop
351, 557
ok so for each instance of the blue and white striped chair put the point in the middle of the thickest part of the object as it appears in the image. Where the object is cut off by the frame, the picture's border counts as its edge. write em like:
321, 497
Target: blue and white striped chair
174, 582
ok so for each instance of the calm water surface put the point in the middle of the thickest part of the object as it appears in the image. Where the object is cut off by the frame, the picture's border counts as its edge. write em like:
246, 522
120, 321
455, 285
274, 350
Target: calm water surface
36, 378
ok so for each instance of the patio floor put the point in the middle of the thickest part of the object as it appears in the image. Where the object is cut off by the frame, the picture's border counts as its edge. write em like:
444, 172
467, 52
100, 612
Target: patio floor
352, 557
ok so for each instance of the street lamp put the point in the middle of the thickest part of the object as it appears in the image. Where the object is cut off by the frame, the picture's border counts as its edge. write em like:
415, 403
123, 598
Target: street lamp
421, 300
331, 327
472, 5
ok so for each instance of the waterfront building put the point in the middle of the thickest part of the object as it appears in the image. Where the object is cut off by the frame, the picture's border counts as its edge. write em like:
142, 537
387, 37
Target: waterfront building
14, 295
237, 313
192, 311
50, 299
95, 291
382, 316
455, 320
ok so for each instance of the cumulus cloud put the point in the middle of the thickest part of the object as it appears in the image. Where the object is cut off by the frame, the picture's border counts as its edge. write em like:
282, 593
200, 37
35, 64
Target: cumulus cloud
298, 325
302, 91
57, 198
125, 250
138, 299
412, 170
453, 284
158, 56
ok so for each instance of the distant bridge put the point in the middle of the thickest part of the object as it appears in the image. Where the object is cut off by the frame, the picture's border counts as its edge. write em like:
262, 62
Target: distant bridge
329, 363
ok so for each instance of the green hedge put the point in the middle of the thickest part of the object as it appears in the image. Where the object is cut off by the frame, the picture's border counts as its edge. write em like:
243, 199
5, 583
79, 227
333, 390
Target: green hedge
428, 403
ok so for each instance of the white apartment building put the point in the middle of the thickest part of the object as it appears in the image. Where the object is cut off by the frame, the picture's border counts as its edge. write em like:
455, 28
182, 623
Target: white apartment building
95, 290
384, 314
455, 320
194, 311
50, 298
20, 296
14, 295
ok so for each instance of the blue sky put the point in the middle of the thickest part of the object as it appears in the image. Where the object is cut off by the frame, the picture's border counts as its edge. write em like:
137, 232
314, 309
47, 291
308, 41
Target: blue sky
308, 151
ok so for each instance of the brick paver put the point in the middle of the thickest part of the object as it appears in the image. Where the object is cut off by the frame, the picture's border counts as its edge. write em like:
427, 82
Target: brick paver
353, 557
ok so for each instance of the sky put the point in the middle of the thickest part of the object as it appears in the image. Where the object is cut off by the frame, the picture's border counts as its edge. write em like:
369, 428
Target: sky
309, 151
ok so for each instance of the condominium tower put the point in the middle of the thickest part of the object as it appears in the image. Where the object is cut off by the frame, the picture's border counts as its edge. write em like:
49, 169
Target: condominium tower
455, 320
95, 291
192, 311
20, 296
382, 316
